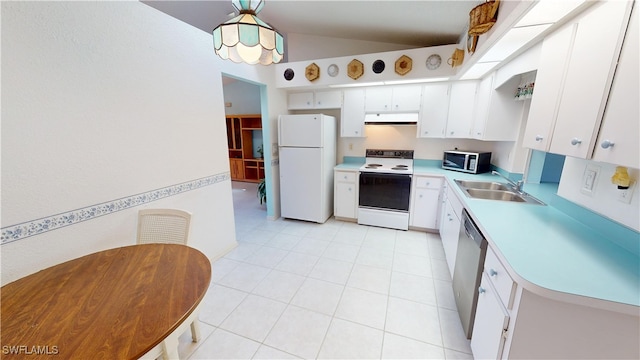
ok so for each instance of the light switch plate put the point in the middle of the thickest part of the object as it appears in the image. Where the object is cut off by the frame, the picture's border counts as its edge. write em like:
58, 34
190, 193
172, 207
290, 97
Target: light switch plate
589, 179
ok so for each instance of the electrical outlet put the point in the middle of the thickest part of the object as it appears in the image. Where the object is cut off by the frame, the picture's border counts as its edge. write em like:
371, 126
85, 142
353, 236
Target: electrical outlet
350, 146
625, 195
589, 179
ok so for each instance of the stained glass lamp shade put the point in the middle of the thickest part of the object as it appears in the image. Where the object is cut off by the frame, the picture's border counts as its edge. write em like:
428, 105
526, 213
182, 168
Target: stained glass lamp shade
246, 38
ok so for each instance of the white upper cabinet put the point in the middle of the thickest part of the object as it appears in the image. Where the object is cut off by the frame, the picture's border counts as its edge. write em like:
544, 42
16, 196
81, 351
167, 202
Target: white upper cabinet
328, 99
434, 110
588, 78
393, 99
315, 100
573, 80
554, 58
352, 115
461, 109
302, 100
497, 114
618, 138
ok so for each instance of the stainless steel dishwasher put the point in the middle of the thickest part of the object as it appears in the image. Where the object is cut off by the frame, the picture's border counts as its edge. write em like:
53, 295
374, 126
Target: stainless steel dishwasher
472, 248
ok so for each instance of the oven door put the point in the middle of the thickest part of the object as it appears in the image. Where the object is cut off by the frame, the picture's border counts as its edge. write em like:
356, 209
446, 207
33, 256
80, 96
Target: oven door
385, 191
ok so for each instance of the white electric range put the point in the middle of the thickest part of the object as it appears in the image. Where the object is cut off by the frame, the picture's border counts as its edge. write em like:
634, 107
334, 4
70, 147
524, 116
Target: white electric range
385, 188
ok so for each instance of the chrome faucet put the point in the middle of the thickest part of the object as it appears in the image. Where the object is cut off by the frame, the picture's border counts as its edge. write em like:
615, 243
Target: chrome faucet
517, 186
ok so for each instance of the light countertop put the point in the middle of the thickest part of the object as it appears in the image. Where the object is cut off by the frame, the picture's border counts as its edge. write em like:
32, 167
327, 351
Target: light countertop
547, 248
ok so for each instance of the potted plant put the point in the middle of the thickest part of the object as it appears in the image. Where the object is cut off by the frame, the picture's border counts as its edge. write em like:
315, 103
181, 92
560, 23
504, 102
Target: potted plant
262, 191
260, 152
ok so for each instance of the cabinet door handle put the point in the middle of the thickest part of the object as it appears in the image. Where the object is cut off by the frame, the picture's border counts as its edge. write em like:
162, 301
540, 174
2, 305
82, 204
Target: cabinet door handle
492, 272
349, 189
539, 138
481, 290
420, 196
575, 141
345, 177
607, 144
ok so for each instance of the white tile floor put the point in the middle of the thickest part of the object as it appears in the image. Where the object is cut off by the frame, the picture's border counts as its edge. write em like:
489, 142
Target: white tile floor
338, 290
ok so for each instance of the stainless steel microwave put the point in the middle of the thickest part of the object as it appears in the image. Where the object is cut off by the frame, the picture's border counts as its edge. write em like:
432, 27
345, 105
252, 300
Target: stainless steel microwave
467, 161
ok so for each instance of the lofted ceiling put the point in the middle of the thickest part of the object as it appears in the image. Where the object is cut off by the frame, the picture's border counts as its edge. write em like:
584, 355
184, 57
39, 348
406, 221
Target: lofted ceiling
418, 23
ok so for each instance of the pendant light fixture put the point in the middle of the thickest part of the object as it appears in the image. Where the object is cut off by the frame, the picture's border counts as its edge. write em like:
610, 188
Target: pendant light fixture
246, 38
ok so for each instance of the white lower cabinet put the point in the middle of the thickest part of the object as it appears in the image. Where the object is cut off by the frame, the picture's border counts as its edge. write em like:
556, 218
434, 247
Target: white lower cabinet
425, 195
492, 319
495, 296
450, 226
345, 203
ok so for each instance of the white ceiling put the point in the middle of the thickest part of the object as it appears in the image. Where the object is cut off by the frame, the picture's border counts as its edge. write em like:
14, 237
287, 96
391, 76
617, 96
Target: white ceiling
418, 23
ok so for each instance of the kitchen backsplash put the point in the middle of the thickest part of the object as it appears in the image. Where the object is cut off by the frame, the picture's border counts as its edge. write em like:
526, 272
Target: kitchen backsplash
603, 199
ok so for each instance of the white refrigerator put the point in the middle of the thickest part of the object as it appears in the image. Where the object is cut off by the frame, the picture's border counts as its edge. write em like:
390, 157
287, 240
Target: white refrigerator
307, 146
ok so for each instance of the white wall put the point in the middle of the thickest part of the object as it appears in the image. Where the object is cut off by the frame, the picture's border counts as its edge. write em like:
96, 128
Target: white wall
603, 198
310, 47
243, 97
102, 101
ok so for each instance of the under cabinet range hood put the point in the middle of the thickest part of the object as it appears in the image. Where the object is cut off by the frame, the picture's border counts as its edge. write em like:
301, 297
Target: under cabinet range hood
391, 119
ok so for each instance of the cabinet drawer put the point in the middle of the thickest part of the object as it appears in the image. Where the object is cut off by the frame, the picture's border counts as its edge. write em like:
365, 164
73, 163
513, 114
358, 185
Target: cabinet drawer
499, 277
345, 176
426, 182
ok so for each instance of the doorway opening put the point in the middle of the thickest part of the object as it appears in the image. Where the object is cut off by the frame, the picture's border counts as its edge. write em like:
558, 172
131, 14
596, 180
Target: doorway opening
245, 139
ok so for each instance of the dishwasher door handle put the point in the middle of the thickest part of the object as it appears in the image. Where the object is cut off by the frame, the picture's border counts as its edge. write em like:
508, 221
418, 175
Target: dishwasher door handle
466, 231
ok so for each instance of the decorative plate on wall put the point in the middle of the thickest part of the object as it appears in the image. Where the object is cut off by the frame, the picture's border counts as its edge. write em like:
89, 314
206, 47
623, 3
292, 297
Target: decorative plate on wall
312, 72
288, 74
403, 65
434, 61
333, 70
355, 69
378, 66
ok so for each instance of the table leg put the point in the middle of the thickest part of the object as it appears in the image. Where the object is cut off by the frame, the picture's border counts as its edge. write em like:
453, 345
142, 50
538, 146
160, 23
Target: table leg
195, 329
170, 347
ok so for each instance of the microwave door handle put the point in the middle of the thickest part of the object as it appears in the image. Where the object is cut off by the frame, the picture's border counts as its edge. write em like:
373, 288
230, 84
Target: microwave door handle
466, 162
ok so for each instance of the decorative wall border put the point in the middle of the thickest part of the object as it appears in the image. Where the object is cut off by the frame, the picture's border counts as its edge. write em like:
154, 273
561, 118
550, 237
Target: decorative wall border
39, 226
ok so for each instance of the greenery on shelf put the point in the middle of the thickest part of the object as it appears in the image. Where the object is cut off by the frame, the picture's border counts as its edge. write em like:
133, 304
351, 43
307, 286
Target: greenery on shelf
260, 151
262, 191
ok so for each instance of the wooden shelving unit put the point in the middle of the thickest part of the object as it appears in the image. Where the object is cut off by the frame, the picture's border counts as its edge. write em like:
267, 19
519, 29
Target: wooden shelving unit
243, 165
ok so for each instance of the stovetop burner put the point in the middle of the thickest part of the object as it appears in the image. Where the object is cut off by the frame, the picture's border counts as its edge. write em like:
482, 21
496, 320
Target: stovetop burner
400, 168
373, 166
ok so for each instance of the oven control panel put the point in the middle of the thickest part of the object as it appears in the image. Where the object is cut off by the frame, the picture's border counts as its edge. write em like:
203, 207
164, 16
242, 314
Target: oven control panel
395, 154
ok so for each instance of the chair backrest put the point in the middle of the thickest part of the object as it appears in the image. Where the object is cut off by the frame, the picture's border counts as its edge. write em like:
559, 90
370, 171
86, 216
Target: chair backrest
163, 226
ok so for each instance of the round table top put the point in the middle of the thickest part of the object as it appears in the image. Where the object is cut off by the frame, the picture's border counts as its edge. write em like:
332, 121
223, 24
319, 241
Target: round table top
113, 304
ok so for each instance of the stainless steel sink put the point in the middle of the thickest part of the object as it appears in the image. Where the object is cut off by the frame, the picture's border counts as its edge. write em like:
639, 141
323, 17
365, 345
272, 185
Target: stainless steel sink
495, 195
489, 190
488, 185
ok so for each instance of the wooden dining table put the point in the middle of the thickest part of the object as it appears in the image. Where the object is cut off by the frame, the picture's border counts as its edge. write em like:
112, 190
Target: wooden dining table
114, 304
